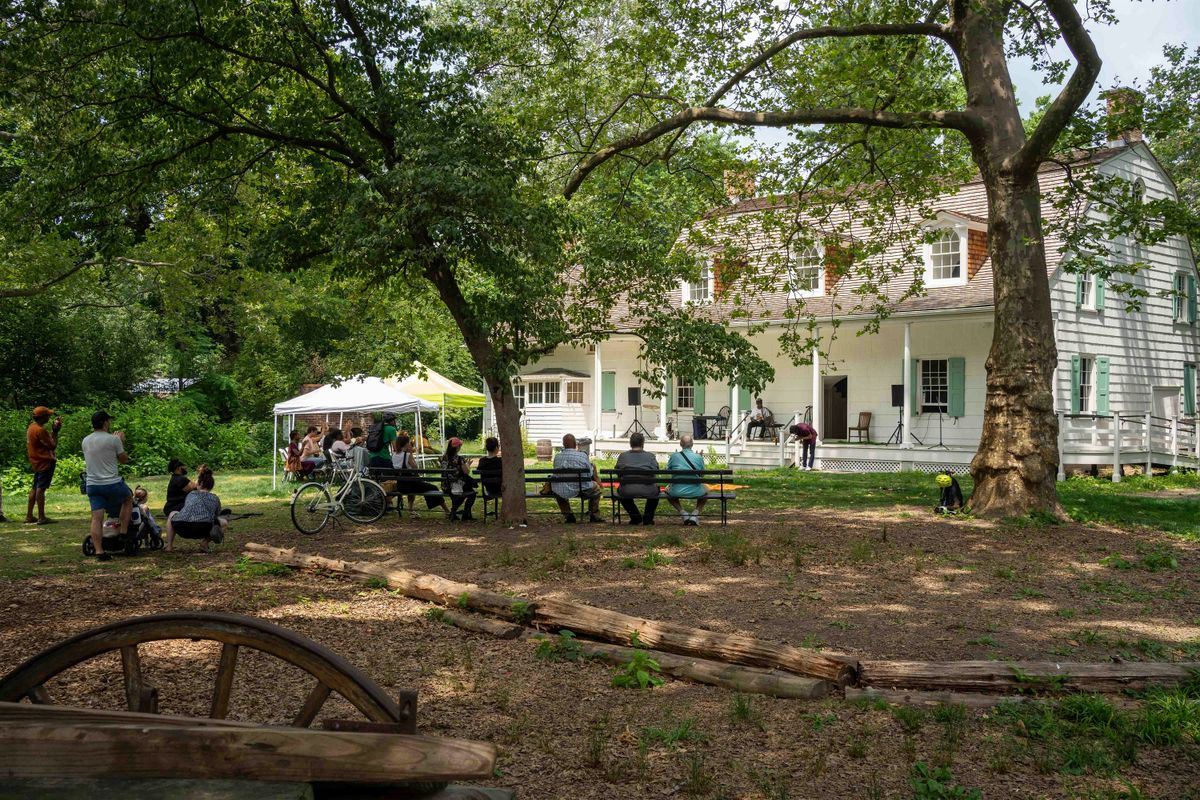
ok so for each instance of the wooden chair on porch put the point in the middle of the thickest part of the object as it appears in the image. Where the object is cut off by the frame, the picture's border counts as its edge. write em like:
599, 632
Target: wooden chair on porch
863, 428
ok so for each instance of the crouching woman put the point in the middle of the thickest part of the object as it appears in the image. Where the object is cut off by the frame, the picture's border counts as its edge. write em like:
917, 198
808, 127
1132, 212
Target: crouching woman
200, 518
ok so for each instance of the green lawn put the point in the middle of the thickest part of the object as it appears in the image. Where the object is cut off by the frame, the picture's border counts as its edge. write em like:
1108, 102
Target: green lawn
31, 550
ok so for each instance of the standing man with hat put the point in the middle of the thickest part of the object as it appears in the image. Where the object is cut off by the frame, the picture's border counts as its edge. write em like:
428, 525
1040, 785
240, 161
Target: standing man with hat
40, 444
104, 453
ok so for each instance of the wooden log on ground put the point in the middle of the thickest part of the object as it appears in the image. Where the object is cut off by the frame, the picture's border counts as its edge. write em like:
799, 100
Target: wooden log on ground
422, 586
1028, 676
907, 697
477, 624
114, 750
600, 623
732, 648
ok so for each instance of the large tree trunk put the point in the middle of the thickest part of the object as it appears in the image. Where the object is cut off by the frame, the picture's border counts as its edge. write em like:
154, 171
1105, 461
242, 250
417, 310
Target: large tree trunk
1016, 466
508, 425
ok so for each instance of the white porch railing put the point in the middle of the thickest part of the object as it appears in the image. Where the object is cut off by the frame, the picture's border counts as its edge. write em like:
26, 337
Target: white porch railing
1123, 438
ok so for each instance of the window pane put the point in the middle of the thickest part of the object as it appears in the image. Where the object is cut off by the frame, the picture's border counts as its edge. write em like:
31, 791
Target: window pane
935, 385
535, 393
1085, 385
697, 291
519, 394
552, 392
946, 257
684, 395
804, 271
575, 392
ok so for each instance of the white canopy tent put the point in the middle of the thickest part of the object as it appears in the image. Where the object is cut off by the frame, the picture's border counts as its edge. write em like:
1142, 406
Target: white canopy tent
351, 396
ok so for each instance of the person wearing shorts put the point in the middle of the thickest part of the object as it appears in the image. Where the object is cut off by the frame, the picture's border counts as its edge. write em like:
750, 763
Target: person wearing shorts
104, 453
40, 443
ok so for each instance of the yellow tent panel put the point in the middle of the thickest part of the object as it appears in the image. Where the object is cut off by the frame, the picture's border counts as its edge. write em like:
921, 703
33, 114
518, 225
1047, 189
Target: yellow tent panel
437, 388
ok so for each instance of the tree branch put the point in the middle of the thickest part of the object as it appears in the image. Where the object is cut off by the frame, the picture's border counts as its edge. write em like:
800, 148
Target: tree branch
36, 289
957, 120
1071, 97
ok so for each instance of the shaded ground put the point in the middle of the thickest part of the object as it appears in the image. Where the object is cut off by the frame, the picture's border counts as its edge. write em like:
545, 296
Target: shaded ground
889, 582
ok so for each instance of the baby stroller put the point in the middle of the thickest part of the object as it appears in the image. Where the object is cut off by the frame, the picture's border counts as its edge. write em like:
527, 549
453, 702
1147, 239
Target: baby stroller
142, 533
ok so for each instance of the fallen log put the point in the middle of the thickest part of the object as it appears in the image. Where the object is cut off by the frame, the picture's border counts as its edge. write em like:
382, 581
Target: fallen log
422, 586
117, 750
475, 624
906, 697
1021, 676
611, 626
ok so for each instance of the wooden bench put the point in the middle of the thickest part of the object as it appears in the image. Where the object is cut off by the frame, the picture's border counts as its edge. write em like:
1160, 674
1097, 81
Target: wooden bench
432, 475
663, 478
534, 480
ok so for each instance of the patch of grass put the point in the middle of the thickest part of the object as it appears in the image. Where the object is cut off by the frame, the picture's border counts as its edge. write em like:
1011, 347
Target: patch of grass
652, 560
667, 540
1026, 592
1006, 573
256, 569
685, 731
983, 641
743, 707
376, 583
521, 612
435, 614
910, 718
936, 783
821, 721
698, 780
733, 547
563, 647
862, 551
463, 601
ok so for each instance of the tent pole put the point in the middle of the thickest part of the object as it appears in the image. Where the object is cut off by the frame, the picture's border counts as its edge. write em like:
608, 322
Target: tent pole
340, 420
443, 418
274, 449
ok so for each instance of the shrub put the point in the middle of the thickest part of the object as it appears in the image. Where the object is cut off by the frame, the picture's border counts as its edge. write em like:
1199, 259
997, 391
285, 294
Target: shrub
68, 471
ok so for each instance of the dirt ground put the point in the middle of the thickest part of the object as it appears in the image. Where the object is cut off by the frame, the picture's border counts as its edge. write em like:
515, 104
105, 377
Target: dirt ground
881, 585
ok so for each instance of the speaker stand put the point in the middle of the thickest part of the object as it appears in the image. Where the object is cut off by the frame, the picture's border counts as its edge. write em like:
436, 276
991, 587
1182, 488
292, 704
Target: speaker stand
897, 436
940, 443
636, 425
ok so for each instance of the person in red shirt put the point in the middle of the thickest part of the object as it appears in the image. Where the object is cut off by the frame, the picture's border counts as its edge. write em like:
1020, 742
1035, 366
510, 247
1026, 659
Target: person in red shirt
40, 443
807, 435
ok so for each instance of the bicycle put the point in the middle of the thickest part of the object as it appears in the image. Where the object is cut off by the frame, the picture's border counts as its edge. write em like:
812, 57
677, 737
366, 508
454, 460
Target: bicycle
361, 499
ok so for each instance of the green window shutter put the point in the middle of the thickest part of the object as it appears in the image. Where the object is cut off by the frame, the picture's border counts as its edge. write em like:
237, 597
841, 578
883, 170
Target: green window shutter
743, 400
1099, 293
958, 387
914, 398
1075, 384
1191, 299
608, 391
1189, 389
670, 394
1101, 385
698, 402
1078, 291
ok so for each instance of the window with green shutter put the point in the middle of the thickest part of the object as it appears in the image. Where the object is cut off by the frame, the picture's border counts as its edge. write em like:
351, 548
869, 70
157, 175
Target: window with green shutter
743, 400
1099, 294
1102, 385
957, 406
1076, 371
608, 391
698, 399
1191, 299
1189, 389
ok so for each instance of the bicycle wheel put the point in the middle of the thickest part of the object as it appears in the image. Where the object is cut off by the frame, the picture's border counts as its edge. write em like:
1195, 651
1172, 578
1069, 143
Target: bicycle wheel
364, 501
311, 508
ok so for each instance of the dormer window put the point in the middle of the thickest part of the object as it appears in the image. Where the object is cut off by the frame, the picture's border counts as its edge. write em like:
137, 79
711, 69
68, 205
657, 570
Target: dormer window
806, 273
944, 259
699, 291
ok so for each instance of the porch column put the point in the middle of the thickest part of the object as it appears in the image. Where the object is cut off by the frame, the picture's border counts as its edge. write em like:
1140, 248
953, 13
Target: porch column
661, 430
906, 374
735, 400
817, 422
597, 381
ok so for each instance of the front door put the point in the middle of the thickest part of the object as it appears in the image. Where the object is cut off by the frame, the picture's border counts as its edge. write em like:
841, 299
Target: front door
834, 405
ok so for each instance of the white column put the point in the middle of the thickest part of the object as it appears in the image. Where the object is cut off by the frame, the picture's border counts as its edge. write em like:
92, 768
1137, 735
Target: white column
735, 402
1116, 428
817, 422
661, 430
274, 448
1062, 458
906, 375
597, 381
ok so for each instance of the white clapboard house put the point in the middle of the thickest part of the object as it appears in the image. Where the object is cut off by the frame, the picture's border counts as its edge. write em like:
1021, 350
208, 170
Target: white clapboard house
1125, 388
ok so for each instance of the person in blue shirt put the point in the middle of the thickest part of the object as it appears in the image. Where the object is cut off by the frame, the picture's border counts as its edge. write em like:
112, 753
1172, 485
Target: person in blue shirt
564, 491
686, 460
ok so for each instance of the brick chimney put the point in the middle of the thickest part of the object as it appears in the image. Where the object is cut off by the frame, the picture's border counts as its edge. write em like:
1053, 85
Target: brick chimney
1123, 116
739, 184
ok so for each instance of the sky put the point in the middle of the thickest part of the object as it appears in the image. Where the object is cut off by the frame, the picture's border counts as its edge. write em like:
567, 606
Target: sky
1128, 49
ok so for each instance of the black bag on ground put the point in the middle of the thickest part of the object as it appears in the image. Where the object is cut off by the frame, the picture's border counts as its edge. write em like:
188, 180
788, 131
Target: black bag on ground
375, 437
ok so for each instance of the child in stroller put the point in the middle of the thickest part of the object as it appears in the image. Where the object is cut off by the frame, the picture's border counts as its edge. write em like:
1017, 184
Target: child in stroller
143, 530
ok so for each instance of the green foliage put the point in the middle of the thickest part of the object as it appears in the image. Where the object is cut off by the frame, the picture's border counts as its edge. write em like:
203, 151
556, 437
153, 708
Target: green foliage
743, 707
247, 568
522, 612
936, 783
652, 560
641, 672
910, 718
435, 614
564, 647
685, 731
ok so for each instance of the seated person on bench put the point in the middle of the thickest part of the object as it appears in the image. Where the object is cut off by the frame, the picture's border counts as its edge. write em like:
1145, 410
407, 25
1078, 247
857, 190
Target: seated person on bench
404, 462
490, 468
458, 482
760, 418
564, 491
685, 460
637, 460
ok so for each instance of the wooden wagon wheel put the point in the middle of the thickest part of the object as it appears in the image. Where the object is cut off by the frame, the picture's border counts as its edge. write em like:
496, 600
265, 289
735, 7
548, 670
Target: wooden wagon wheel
233, 631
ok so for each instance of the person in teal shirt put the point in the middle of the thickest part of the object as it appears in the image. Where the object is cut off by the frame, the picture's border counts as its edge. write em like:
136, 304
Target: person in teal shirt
382, 458
685, 460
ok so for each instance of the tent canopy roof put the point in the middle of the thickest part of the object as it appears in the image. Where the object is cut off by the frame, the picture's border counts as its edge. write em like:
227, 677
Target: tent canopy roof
355, 394
437, 388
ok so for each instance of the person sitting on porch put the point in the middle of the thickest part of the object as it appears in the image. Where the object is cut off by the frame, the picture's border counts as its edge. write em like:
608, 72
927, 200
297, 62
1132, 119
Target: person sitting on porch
490, 468
564, 491
636, 460
686, 460
807, 436
760, 418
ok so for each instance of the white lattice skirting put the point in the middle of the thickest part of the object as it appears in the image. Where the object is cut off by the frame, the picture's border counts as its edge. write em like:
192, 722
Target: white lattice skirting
859, 465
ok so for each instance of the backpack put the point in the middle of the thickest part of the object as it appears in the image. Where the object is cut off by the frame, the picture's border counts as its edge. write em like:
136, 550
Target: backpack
375, 437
